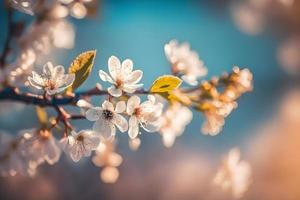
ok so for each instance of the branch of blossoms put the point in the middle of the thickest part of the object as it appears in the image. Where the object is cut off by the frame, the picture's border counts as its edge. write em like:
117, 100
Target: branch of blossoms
166, 110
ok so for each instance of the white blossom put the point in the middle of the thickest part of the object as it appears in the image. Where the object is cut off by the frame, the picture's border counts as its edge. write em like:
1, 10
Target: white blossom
144, 114
53, 79
121, 76
12, 160
173, 123
40, 146
185, 62
80, 144
234, 175
107, 117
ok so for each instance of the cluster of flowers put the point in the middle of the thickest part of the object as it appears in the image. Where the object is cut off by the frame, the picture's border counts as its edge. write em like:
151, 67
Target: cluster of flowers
125, 111
52, 29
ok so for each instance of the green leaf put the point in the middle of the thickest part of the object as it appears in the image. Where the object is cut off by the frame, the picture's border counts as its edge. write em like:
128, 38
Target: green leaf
81, 67
41, 115
165, 84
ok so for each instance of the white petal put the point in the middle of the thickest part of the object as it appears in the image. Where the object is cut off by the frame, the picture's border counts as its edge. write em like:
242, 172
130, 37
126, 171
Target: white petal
121, 122
48, 69
77, 151
127, 66
113, 91
150, 127
93, 114
105, 77
114, 67
190, 80
37, 78
33, 83
106, 105
120, 107
53, 152
133, 127
56, 91
134, 77
106, 129
91, 142
69, 79
132, 103
132, 88
58, 71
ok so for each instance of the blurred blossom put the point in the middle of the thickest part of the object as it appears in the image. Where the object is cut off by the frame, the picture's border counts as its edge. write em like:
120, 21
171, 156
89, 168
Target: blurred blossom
12, 158
25, 6
185, 62
275, 152
289, 55
63, 35
78, 10
173, 122
21, 69
234, 175
247, 18
40, 146
109, 174
106, 157
134, 144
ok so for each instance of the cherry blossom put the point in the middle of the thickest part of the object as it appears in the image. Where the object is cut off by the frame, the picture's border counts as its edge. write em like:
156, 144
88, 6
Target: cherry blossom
40, 146
185, 62
121, 76
80, 144
107, 117
234, 175
173, 123
53, 79
144, 114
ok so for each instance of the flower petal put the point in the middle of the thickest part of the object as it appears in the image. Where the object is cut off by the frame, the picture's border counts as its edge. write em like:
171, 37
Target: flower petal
120, 122
114, 91
133, 127
58, 71
93, 114
34, 84
106, 129
132, 103
77, 151
105, 77
114, 67
120, 107
37, 78
134, 77
106, 105
91, 142
127, 66
48, 69
132, 88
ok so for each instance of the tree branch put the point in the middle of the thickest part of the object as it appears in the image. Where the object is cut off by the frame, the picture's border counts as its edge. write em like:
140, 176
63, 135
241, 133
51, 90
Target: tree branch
14, 94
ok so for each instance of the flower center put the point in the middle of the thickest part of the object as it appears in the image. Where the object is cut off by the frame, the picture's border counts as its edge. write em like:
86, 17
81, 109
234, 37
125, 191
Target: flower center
137, 112
80, 138
107, 114
119, 83
45, 134
50, 84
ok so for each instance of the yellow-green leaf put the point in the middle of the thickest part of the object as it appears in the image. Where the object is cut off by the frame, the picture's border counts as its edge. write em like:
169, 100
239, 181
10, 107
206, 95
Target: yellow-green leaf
41, 115
81, 67
166, 84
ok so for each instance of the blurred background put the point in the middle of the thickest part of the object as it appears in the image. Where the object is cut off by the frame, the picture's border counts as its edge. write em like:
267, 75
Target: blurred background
262, 35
